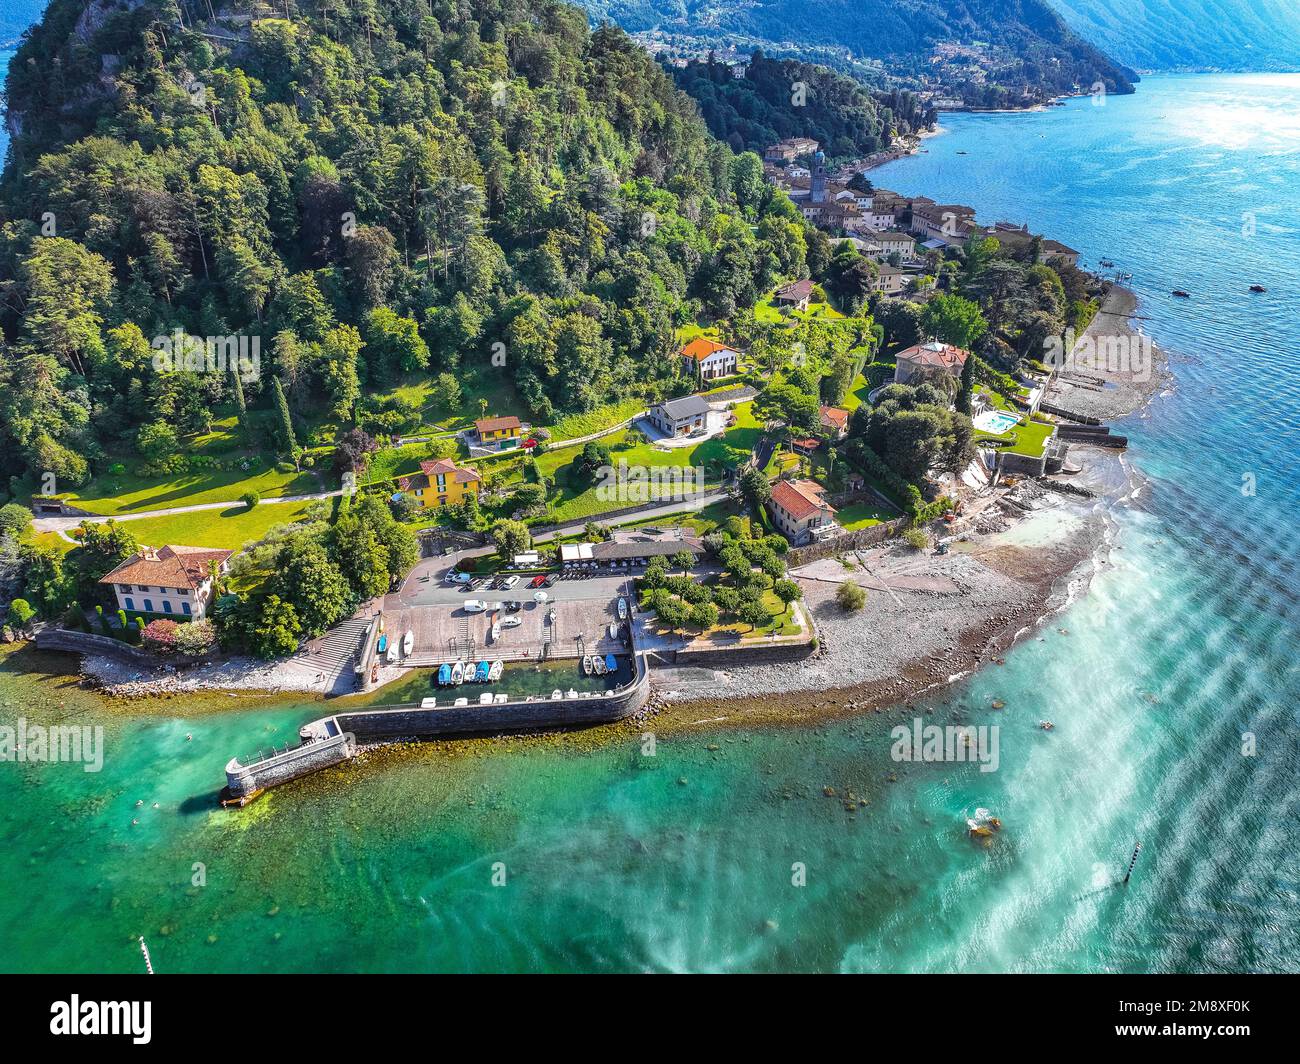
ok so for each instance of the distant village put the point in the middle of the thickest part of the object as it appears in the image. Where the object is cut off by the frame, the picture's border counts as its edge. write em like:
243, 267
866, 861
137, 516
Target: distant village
905, 235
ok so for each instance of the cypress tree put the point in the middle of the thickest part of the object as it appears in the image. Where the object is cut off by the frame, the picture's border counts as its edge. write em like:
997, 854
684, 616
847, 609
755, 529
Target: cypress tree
287, 438
241, 407
967, 386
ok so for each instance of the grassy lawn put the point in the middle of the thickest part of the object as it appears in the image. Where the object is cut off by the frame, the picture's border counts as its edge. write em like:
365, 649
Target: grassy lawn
578, 499
227, 529
863, 515
857, 393
766, 310
1027, 438
577, 425
111, 494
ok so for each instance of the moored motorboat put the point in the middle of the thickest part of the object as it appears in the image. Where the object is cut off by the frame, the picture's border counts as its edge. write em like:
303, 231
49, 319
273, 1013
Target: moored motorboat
622, 608
1258, 288
1179, 293
586, 664
444, 674
462, 701
611, 663
494, 674
457, 673
557, 693
408, 643
598, 665
481, 673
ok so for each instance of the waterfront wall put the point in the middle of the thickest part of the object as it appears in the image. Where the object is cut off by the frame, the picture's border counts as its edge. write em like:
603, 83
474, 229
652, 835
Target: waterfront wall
244, 780
89, 643
332, 740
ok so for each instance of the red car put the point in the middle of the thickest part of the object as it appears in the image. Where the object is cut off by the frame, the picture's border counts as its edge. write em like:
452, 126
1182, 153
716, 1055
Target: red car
537, 581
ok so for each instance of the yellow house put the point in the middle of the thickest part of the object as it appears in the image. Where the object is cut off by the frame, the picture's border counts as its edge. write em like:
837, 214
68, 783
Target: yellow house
442, 483
498, 432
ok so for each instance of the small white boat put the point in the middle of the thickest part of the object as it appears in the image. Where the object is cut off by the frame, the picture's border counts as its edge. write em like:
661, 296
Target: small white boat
462, 701
496, 631
408, 643
502, 698
557, 693
485, 699
586, 664
494, 673
393, 651
457, 673
428, 703
598, 665
612, 630
571, 693
622, 608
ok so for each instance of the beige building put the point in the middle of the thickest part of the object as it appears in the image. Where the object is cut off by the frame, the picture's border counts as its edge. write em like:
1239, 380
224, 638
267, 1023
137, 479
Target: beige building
926, 361
800, 511
169, 580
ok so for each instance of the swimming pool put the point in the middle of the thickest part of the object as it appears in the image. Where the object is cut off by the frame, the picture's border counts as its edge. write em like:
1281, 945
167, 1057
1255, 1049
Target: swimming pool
996, 421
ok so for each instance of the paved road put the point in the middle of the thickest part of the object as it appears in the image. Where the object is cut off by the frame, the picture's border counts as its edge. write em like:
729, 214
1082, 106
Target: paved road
62, 524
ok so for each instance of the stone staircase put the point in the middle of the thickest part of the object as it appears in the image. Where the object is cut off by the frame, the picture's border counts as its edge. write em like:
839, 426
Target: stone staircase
336, 651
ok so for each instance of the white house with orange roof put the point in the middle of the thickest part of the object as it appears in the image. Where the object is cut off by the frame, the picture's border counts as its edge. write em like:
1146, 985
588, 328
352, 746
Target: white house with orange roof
168, 580
710, 359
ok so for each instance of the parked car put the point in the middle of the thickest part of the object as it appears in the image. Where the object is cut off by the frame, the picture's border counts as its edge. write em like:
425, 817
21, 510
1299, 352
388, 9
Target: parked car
511, 622
514, 606
475, 605
537, 581
509, 582
547, 581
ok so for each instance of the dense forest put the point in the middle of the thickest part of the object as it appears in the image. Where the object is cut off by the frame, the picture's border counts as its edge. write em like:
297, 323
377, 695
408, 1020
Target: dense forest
1028, 47
780, 98
450, 186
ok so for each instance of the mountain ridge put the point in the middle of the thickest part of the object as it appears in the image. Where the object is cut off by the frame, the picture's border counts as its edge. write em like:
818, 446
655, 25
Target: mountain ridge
1235, 35
994, 52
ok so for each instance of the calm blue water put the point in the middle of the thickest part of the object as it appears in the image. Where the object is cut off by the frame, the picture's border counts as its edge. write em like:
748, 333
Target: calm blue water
683, 861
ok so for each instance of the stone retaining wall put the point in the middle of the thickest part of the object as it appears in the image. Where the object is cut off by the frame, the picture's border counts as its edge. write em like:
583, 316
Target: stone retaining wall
829, 548
89, 643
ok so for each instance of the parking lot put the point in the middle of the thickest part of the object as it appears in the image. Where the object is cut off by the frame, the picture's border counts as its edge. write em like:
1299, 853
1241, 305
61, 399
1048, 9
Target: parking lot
427, 586
446, 632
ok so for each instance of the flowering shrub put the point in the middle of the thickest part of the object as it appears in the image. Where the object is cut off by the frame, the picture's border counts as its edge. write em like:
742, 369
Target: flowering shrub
197, 637
160, 635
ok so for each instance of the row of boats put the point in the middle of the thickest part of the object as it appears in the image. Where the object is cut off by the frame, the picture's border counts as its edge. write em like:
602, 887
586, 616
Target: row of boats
595, 665
469, 672
396, 648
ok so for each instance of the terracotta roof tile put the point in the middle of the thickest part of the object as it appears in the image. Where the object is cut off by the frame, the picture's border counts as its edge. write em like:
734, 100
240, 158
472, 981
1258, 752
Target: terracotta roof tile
167, 566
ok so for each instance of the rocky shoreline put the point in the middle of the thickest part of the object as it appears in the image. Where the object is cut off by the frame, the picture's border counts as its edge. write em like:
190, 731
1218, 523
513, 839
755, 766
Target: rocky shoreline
929, 619
1114, 368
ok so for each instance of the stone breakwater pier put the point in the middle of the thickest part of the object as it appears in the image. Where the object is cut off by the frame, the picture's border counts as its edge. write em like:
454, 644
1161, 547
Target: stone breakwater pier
334, 739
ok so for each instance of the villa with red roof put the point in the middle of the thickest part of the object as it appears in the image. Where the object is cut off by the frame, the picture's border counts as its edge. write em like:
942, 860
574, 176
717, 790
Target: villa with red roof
928, 360
709, 359
169, 580
800, 511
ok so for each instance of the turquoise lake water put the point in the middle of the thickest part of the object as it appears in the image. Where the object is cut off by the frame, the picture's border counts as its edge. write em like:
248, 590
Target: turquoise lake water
683, 861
